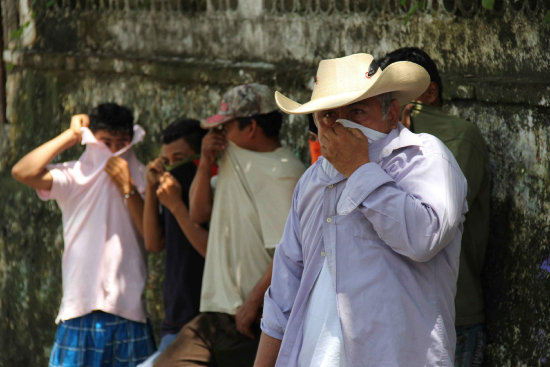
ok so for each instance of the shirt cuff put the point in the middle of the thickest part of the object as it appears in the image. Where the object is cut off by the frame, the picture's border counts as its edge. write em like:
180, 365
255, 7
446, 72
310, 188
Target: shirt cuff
273, 321
51, 193
270, 331
361, 184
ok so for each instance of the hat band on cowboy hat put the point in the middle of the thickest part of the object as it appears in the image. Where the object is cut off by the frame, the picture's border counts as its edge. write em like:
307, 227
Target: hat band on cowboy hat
352, 78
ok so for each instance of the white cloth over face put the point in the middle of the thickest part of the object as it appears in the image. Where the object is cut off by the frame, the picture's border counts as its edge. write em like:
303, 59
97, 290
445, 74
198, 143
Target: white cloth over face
103, 264
370, 134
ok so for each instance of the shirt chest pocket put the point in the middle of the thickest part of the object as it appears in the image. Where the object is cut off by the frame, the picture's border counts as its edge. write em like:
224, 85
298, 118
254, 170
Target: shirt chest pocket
361, 228
358, 245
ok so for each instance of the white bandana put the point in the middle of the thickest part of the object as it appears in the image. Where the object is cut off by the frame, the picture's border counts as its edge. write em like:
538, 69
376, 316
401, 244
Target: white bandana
370, 134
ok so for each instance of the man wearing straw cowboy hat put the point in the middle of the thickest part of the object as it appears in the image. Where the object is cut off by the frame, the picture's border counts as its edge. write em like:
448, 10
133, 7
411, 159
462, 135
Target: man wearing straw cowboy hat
365, 274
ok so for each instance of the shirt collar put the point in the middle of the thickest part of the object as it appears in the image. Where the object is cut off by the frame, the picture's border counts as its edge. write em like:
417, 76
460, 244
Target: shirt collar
398, 138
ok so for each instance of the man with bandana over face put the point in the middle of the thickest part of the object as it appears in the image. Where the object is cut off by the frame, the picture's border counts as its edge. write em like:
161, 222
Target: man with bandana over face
171, 229
365, 273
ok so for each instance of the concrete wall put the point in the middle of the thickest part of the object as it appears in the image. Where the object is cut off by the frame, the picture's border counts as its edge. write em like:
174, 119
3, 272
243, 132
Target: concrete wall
166, 59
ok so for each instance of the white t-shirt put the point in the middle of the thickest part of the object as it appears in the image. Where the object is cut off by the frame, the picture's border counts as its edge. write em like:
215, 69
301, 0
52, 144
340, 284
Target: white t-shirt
251, 203
322, 344
103, 264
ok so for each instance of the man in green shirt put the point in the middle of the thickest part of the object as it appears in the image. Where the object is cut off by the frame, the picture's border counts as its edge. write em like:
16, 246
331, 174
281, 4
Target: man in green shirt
464, 140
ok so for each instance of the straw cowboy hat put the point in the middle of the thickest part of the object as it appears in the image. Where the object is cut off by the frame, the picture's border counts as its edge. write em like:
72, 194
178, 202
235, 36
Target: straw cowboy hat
349, 79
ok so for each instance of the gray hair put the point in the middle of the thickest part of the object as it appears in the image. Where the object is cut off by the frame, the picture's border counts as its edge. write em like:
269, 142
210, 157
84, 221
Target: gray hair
385, 103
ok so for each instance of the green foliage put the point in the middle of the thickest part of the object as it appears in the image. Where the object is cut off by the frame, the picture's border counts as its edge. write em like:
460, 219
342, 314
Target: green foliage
488, 4
145, 5
417, 5
546, 19
49, 3
19, 31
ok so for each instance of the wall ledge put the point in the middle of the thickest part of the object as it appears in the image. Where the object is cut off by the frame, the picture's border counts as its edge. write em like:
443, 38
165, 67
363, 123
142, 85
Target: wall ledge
531, 90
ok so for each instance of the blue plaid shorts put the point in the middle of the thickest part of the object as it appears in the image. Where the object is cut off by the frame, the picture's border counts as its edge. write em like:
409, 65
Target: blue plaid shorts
100, 339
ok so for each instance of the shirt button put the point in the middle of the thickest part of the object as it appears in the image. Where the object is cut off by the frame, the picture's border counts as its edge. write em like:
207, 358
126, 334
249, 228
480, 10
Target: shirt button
329, 220
330, 186
323, 253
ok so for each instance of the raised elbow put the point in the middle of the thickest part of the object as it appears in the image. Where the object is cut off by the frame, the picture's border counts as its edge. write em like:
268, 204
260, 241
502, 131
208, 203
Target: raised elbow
23, 173
17, 173
425, 251
153, 247
153, 244
422, 257
199, 215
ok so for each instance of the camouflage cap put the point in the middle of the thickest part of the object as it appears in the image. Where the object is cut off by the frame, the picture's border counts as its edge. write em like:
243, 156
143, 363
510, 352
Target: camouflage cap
245, 100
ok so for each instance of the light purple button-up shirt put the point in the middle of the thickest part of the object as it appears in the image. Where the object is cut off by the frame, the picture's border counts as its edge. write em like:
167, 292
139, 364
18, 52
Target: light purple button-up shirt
391, 236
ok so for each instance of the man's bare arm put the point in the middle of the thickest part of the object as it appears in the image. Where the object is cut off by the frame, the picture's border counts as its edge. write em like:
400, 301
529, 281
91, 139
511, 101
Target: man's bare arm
31, 169
200, 192
169, 194
249, 312
119, 171
268, 350
152, 231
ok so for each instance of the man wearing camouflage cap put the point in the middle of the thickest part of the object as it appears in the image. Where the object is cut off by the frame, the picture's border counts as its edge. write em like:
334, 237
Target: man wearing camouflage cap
247, 214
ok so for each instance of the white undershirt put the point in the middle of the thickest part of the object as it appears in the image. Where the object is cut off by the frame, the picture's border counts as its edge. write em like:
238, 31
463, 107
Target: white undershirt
322, 344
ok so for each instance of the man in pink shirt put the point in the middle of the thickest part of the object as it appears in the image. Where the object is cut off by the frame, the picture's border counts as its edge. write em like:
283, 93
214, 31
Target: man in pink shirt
102, 318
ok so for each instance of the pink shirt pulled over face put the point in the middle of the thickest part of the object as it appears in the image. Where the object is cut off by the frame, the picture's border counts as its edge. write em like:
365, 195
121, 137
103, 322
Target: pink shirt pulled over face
103, 262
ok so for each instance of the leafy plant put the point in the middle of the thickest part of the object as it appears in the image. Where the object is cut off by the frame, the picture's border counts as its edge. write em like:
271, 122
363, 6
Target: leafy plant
417, 5
19, 31
488, 4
